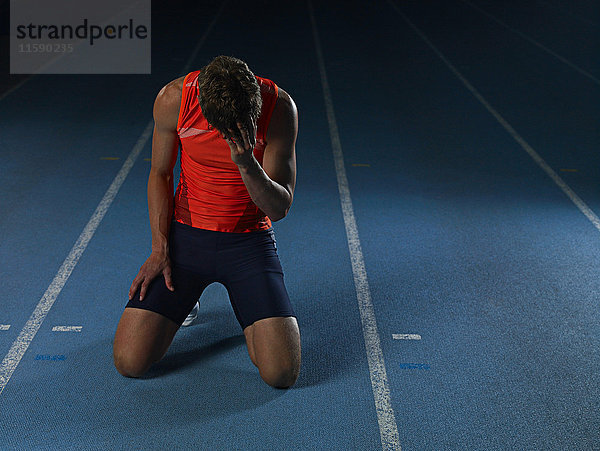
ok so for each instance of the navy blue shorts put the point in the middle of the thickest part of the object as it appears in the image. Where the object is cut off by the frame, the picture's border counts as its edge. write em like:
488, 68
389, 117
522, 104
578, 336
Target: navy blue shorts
247, 265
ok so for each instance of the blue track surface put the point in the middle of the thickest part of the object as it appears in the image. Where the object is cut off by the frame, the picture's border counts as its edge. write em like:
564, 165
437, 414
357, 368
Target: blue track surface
466, 240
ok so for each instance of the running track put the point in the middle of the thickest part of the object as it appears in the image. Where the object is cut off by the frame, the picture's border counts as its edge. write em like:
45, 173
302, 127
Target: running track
441, 253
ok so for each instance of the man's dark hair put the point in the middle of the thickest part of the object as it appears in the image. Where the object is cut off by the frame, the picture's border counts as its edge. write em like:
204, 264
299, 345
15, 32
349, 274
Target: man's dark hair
228, 93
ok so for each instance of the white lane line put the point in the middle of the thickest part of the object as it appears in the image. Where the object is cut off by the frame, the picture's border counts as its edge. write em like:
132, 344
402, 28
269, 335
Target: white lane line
67, 328
4, 326
587, 211
379, 381
562, 59
207, 31
14, 88
20, 345
406, 336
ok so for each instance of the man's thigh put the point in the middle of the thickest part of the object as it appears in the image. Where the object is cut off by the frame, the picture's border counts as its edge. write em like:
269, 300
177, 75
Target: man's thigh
148, 326
174, 305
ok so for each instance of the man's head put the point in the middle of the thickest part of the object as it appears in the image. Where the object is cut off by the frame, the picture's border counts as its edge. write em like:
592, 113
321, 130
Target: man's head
228, 94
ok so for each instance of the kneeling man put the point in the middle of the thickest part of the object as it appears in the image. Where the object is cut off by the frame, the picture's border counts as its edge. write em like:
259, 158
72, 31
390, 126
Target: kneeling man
237, 134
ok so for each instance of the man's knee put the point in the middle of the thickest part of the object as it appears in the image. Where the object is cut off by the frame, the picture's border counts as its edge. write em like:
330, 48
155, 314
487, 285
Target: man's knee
129, 365
274, 346
142, 339
280, 376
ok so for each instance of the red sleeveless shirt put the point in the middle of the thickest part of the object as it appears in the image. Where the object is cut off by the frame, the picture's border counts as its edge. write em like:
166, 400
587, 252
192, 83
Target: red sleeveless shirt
211, 194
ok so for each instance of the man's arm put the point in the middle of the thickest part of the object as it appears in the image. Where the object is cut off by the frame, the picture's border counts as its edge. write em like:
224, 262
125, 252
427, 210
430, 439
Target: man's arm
165, 143
272, 186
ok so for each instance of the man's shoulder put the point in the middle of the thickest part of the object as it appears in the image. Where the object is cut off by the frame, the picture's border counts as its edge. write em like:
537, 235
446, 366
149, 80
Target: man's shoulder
284, 120
167, 103
285, 106
284, 100
171, 92
177, 83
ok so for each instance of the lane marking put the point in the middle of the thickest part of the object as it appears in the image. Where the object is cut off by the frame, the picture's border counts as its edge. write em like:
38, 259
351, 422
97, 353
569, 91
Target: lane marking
147, 159
562, 59
14, 88
361, 165
581, 205
4, 326
569, 170
67, 328
192, 57
21, 344
53, 358
18, 348
379, 382
406, 336
109, 158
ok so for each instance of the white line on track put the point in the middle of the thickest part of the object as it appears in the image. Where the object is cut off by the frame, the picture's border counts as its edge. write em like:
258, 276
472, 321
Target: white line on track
9, 91
4, 326
379, 381
67, 328
21, 344
406, 336
562, 59
17, 350
587, 211
192, 57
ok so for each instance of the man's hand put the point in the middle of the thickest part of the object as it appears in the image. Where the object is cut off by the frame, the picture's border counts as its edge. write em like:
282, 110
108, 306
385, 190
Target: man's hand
242, 142
156, 264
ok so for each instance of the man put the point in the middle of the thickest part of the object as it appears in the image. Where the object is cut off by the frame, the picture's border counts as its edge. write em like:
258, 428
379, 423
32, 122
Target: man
237, 134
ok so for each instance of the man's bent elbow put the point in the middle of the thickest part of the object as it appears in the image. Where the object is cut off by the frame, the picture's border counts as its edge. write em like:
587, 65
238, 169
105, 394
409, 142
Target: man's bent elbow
277, 216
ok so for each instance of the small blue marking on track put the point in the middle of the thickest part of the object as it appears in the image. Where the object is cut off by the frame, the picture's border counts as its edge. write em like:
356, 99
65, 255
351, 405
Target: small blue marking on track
53, 358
